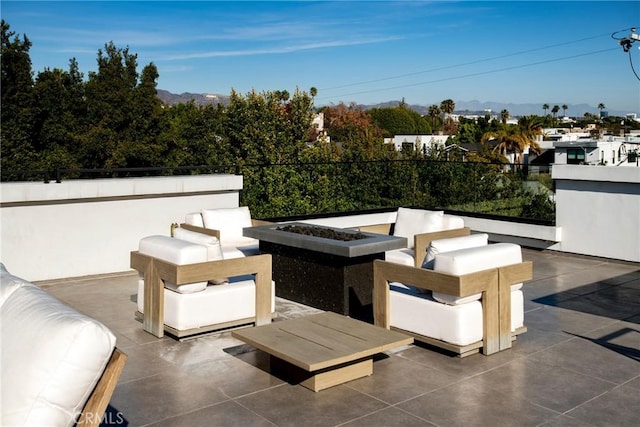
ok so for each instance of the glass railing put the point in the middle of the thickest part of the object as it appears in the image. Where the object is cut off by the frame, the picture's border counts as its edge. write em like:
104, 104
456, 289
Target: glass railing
302, 189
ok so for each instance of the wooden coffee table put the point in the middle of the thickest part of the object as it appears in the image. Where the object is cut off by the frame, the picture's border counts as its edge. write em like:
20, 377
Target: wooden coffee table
322, 350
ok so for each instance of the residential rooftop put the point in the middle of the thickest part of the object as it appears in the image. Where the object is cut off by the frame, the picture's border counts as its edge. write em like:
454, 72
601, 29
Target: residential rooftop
577, 365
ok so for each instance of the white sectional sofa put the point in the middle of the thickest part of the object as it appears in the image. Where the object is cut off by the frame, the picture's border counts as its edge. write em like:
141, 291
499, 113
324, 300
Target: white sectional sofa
59, 367
467, 295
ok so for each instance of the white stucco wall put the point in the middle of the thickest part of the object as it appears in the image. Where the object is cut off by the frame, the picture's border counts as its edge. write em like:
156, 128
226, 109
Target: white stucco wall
598, 210
77, 228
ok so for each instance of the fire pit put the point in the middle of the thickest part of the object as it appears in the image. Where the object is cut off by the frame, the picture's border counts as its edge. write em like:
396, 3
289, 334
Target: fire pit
324, 267
327, 233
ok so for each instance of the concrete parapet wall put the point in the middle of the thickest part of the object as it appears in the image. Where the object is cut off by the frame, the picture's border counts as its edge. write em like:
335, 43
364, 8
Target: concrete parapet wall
598, 209
84, 227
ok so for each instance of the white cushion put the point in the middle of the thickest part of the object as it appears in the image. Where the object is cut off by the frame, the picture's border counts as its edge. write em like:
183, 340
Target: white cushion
217, 304
194, 218
452, 222
229, 221
214, 249
453, 244
419, 313
471, 260
176, 251
400, 256
52, 357
410, 222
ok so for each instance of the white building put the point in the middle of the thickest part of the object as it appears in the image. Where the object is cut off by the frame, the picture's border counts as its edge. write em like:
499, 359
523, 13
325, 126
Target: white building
422, 143
607, 151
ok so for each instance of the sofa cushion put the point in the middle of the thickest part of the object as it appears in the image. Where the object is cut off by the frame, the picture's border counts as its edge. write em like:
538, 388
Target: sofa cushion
52, 357
471, 260
178, 252
453, 244
214, 249
410, 222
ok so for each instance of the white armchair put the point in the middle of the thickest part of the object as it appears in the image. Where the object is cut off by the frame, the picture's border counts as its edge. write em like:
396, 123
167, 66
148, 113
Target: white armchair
470, 299
186, 287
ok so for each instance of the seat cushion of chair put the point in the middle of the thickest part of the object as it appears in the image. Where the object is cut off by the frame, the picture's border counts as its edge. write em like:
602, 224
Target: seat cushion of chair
471, 260
419, 313
194, 218
216, 304
52, 358
214, 249
410, 222
400, 256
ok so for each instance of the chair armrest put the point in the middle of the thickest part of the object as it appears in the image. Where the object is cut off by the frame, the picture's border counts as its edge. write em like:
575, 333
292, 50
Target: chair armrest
421, 241
99, 399
376, 228
202, 230
257, 222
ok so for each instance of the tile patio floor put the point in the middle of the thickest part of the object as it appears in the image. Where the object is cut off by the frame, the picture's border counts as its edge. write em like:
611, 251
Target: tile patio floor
578, 364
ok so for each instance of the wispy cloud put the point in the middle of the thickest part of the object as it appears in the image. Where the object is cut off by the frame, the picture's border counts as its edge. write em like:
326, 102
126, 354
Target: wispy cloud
276, 50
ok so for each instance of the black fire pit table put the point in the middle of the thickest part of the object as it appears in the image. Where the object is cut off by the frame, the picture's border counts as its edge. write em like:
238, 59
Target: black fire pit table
333, 272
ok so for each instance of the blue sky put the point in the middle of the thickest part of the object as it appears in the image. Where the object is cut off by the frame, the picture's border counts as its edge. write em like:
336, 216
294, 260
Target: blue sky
367, 52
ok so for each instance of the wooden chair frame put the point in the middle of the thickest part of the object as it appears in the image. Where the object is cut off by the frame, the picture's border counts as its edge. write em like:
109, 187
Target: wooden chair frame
156, 271
210, 231
98, 401
494, 285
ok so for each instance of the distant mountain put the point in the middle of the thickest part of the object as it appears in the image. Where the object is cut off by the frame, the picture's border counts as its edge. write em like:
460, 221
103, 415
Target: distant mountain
462, 107
197, 98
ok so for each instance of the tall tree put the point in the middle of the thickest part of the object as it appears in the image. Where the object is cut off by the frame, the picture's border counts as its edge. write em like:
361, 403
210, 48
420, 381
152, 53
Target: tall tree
504, 116
433, 112
565, 107
18, 150
554, 111
545, 107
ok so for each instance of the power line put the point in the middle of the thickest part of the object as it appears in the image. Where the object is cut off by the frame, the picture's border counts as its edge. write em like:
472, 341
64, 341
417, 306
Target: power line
470, 75
466, 63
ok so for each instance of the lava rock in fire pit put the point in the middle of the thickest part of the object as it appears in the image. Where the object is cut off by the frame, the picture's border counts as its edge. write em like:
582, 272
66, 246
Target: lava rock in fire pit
327, 233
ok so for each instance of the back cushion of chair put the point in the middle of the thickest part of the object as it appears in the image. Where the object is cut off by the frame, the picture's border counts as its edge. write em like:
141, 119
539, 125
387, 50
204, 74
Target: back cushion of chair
452, 222
410, 222
453, 244
471, 260
214, 250
194, 218
176, 251
229, 221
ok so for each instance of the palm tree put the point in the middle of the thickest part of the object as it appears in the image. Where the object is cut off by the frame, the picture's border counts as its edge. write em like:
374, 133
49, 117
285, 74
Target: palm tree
554, 111
508, 140
504, 115
564, 109
545, 107
601, 107
434, 112
531, 127
447, 106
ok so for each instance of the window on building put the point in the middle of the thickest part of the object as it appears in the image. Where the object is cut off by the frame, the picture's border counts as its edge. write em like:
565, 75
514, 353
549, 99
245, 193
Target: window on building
575, 156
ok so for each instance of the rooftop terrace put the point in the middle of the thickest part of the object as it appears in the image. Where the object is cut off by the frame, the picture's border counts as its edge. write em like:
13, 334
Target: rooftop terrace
578, 364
